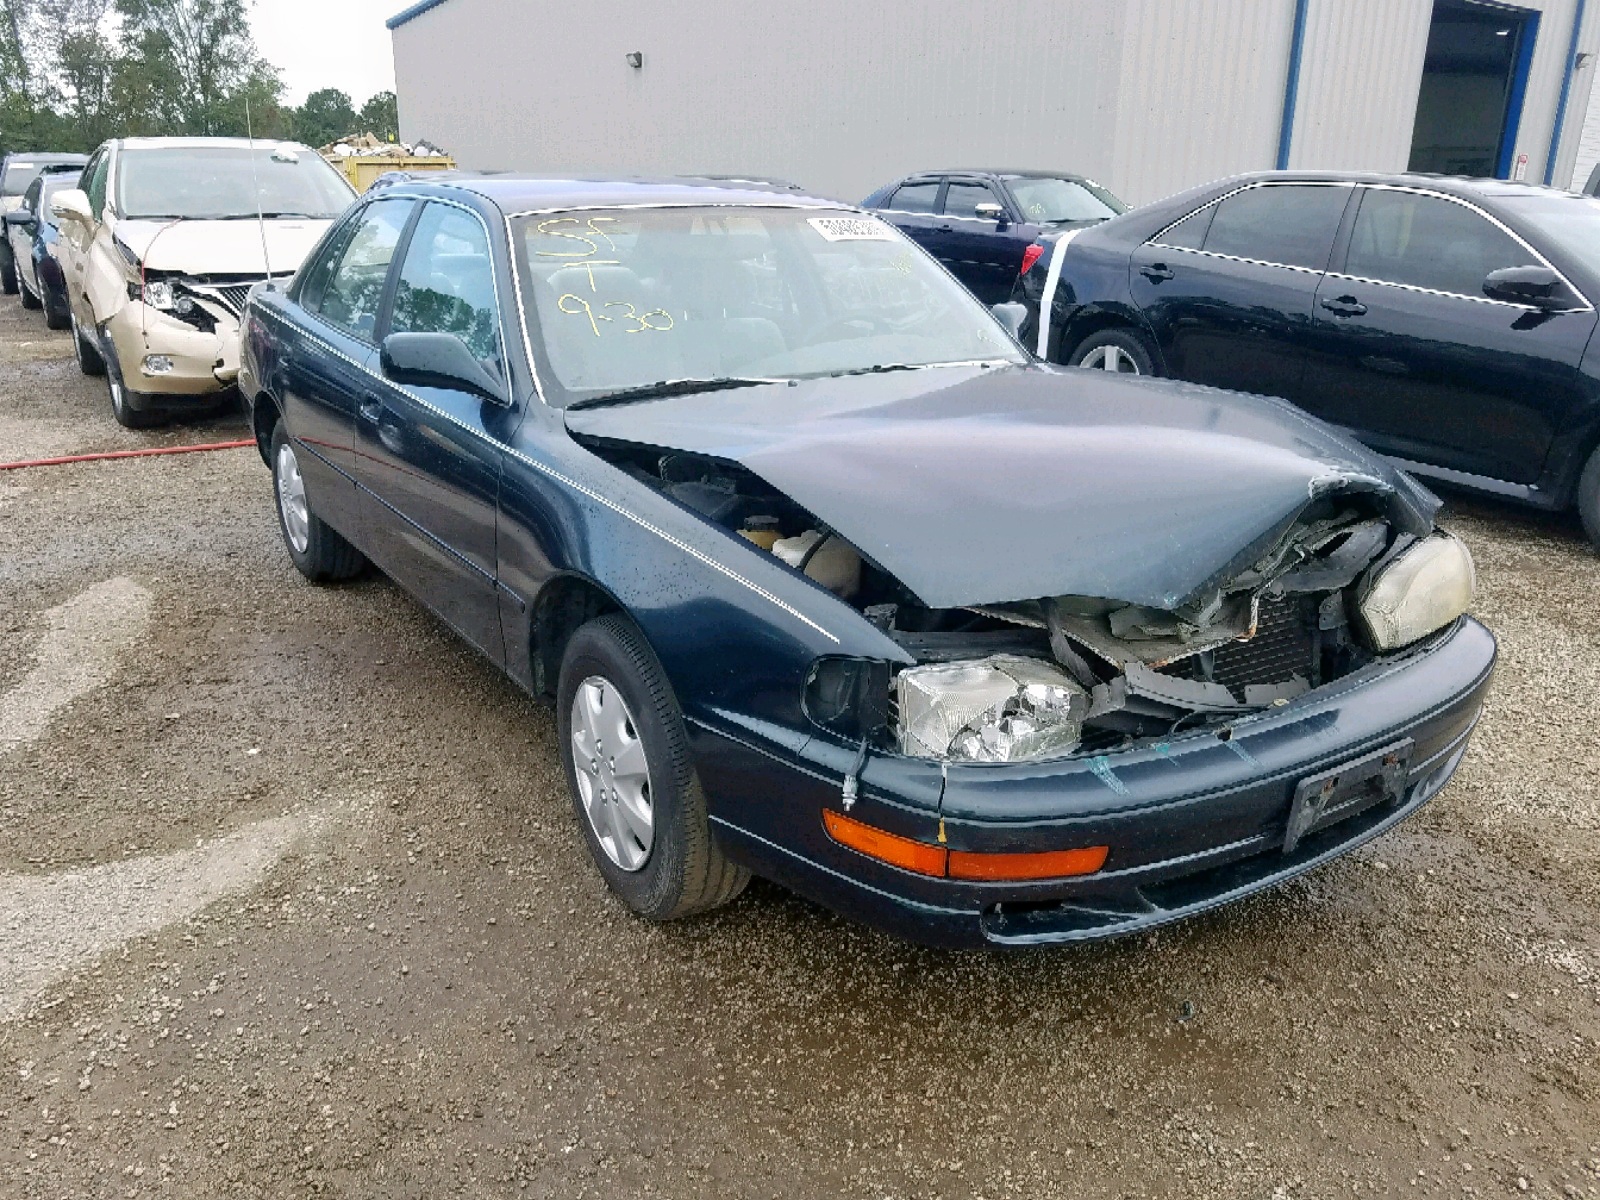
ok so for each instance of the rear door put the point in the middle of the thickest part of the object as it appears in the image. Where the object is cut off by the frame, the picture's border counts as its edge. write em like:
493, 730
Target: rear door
980, 250
429, 458
20, 237
1412, 357
328, 355
1228, 291
913, 209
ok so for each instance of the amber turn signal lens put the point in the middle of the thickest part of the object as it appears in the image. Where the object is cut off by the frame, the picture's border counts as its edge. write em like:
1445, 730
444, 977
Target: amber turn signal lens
885, 847
1053, 864
923, 859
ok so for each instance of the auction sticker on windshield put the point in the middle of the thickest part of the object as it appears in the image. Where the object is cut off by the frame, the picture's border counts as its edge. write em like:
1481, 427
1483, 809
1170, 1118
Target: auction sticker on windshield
851, 229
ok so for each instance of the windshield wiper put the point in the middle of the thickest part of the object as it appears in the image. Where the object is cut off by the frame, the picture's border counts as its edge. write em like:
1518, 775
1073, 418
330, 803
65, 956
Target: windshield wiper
889, 368
669, 387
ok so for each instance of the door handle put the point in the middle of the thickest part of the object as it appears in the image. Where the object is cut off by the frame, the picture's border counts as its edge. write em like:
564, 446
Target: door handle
370, 408
946, 228
1156, 272
1345, 306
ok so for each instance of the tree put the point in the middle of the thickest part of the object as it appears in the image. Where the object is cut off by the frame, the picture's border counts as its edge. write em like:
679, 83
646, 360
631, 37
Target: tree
380, 116
184, 64
326, 116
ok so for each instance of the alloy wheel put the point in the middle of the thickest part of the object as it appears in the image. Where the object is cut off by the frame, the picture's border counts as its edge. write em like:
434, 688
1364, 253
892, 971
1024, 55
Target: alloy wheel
292, 499
1110, 358
613, 774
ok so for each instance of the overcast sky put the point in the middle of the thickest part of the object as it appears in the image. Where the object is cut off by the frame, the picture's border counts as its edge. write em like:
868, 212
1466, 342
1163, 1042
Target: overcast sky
327, 43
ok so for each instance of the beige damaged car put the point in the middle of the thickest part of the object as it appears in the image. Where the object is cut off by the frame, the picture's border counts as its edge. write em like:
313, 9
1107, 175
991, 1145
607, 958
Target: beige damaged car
162, 244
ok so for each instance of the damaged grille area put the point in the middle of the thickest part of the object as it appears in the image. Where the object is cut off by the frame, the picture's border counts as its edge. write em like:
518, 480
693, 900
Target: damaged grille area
1284, 647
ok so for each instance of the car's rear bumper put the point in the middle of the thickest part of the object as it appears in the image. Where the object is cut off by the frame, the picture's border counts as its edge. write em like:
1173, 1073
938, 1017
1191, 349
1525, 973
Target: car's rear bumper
1192, 824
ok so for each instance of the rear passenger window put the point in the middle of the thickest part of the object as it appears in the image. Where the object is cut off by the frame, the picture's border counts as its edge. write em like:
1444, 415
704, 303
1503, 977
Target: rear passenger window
1189, 233
447, 284
916, 197
350, 298
1401, 237
1294, 226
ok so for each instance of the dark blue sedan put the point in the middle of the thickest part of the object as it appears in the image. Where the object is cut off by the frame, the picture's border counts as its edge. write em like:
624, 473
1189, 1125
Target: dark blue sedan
31, 236
828, 581
983, 224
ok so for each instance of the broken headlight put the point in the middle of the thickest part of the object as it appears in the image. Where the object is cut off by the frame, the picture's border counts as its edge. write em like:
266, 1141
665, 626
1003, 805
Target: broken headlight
1000, 709
1419, 591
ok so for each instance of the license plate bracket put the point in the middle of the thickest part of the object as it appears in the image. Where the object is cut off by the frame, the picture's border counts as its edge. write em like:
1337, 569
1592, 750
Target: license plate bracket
1335, 795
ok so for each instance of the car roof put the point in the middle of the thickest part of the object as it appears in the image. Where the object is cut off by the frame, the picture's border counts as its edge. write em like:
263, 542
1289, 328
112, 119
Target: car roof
987, 173
169, 143
532, 193
47, 157
1461, 185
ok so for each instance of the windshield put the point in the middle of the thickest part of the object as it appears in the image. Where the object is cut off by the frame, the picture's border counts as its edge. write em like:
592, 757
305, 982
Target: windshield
1059, 201
219, 182
1571, 222
20, 172
624, 298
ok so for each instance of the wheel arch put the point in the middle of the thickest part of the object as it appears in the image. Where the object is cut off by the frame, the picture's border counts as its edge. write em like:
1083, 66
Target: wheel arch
1089, 321
565, 603
264, 417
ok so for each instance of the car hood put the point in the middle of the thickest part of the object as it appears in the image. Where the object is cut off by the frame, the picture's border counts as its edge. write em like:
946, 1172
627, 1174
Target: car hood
974, 486
221, 247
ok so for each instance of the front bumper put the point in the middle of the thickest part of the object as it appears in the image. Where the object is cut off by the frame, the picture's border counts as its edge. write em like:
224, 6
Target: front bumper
1192, 824
203, 364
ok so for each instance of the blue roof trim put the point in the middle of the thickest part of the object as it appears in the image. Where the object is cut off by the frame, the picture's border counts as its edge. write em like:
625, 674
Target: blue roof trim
416, 10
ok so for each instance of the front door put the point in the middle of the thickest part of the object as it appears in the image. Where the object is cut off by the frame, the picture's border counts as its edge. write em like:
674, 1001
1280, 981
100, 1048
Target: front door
1228, 291
978, 247
428, 458
1410, 355
913, 210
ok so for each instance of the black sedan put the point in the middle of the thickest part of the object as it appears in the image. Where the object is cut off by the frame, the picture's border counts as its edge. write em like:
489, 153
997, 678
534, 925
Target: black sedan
828, 581
1443, 322
983, 225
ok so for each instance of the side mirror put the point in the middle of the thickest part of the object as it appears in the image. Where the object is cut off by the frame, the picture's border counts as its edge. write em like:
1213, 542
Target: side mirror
20, 219
1011, 315
439, 360
72, 205
990, 211
1536, 287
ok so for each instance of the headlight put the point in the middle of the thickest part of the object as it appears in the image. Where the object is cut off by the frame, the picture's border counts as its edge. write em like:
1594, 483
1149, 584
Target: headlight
1422, 590
1000, 709
158, 294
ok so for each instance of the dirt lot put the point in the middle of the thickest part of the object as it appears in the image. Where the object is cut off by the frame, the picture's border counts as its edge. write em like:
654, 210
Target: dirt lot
292, 903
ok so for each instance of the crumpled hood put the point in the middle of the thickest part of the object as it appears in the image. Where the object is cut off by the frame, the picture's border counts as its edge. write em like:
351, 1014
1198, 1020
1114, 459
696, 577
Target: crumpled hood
975, 486
220, 247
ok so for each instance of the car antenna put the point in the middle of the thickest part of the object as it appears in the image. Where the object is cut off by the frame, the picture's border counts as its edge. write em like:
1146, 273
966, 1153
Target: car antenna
255, 179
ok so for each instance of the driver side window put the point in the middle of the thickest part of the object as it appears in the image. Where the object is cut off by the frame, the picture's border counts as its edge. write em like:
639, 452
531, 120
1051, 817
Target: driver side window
353, 292
94, 183
447, 284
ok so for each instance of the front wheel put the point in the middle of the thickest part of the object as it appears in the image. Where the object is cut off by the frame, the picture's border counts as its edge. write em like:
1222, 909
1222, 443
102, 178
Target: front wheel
1120, 351
1589, 498
633, 785
122, 407
318, 551
90, 360
8, 273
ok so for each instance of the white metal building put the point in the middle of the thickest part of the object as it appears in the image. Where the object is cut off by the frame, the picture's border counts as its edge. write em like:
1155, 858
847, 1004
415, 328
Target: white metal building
1148, 96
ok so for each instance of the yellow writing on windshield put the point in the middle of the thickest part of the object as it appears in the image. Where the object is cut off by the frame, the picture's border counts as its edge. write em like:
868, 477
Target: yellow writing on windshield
551, 228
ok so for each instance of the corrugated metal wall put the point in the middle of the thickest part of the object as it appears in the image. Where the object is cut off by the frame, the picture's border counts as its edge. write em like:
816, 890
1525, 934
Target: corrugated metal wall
1149, 96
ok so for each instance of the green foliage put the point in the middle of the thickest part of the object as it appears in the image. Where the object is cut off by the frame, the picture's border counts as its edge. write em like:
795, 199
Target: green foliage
76, 72
380, 116
326, 116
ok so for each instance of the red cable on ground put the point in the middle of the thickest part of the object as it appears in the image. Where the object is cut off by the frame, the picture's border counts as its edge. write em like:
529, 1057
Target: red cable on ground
78, 458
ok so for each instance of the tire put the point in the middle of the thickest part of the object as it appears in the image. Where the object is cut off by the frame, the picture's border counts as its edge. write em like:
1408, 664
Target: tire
682, 871
8, 272
1589, 498
56, 319
87, 352
318, 551
29, 300
122, 408
1121, 351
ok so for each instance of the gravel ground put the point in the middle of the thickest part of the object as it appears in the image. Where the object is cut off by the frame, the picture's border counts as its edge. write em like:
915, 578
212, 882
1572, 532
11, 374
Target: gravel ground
292, 903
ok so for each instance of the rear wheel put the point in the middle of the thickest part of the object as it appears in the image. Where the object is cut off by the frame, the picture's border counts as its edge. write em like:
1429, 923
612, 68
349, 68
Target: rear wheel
1120, 351
633, 784
8, 272
319, 552
87, 352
